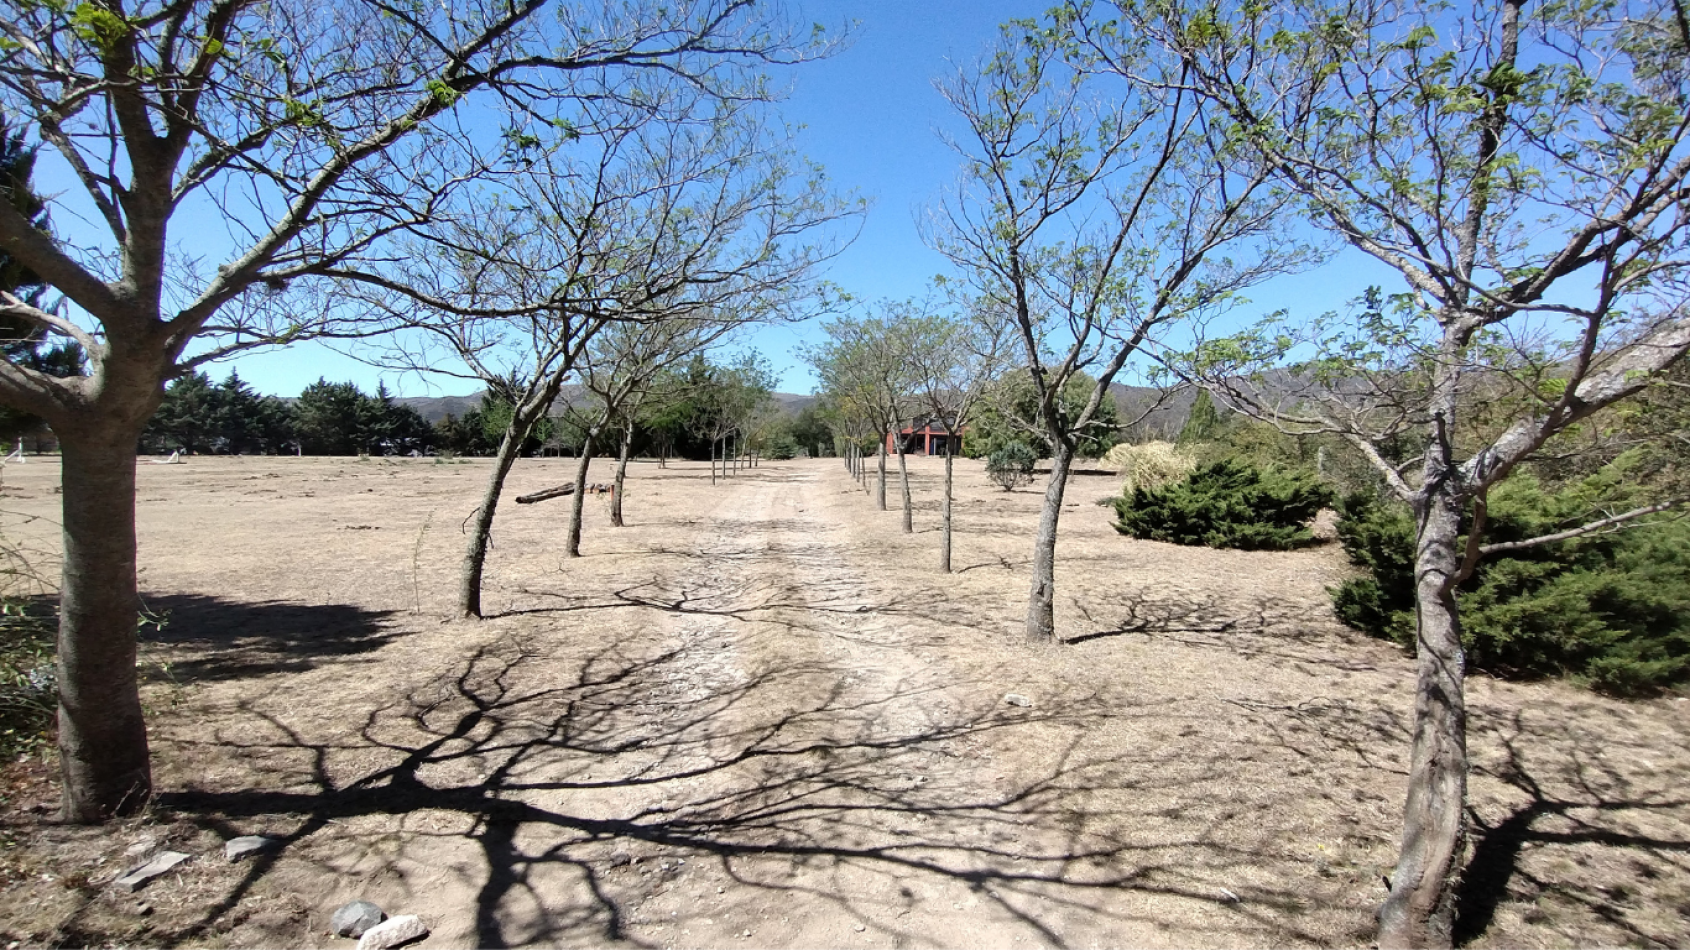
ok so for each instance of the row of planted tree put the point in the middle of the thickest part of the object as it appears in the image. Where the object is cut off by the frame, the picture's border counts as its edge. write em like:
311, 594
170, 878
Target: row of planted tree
524, 198
1132, 170
518, 192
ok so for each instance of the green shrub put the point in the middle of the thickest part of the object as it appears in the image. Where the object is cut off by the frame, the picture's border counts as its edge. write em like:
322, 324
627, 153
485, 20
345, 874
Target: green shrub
781, 448
1011, 465
1227, 504
1609, 610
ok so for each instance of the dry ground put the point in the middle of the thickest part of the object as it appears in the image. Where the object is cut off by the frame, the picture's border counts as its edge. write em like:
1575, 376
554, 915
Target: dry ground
759, 717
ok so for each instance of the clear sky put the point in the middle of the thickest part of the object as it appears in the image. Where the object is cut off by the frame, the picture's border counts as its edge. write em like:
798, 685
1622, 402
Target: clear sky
871, 116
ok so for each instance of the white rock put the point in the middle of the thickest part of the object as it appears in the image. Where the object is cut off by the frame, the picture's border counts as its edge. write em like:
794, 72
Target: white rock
161, 863
237, 848
393, 932
352, 919
1016, 699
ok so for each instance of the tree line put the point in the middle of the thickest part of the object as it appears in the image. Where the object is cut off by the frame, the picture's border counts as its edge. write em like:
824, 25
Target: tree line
690, 410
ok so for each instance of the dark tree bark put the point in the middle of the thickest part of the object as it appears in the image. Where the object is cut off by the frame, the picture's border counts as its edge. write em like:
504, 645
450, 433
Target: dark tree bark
481, 527
102, 733
1041, 601
621, 476
572, 544
1420, 910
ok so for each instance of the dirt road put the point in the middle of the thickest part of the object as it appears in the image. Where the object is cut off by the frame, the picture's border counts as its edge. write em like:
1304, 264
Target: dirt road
759, 717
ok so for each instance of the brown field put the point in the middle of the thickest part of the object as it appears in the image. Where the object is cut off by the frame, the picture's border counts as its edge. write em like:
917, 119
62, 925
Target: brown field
759, 717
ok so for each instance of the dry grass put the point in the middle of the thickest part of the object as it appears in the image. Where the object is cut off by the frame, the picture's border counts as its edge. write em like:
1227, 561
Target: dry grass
1149, 465
760, 710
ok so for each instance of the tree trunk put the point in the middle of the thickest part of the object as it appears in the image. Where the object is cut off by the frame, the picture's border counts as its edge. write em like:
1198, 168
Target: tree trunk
712, 461
904, 477
882, 474
572, 543
103, 755
481, 531
1420, 910
1041, 601
621, 476
945, 519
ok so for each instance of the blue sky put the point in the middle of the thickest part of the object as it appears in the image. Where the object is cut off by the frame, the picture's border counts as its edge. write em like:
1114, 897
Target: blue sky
871, 116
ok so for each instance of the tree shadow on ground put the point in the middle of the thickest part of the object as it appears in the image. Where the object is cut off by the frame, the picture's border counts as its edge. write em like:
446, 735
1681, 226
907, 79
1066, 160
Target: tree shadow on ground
1252, 626
1584, 801
785, 779
209, 638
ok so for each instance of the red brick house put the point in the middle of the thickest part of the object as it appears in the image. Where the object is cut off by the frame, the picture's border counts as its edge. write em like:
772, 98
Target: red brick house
925, 436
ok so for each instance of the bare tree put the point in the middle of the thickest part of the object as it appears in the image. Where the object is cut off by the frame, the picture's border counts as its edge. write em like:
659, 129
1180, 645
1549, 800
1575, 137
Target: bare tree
1525, 171
851, 425
645, 216
726, 398
866, 364
955, 361
619, 370
316, 131
1099, 209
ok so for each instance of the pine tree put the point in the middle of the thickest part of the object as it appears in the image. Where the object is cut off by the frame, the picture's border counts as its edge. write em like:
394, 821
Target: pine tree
186, 420
20, 341
1204, 422
328, 416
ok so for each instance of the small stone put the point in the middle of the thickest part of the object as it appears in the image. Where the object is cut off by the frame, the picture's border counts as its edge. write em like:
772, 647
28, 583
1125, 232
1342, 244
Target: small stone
620, 859
237, 848
353, 919
394, 932
1016, 699
161, 863
859, 928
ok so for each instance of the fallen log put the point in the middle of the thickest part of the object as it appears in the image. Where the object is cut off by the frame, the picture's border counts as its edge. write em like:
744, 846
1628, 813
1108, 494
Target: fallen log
562, 490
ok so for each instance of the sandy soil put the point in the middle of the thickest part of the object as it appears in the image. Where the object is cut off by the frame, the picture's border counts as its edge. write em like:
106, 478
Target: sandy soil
760, 717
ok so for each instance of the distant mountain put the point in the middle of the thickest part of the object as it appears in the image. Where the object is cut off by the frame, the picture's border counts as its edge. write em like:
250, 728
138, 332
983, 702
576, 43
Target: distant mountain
1165, 420
793, 404
1164, 410
435, 408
